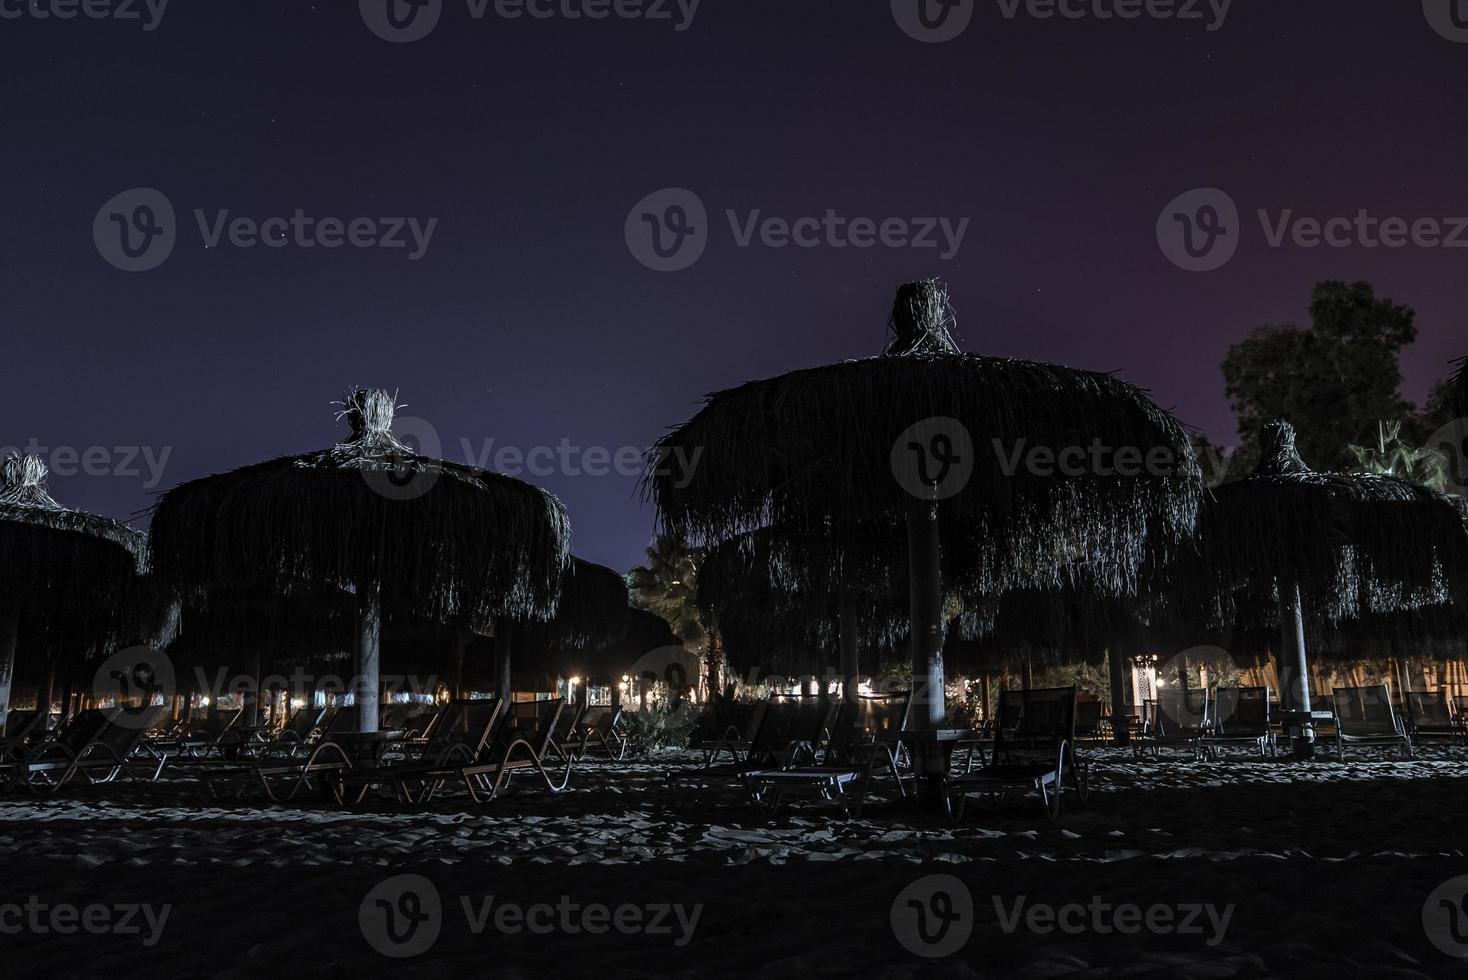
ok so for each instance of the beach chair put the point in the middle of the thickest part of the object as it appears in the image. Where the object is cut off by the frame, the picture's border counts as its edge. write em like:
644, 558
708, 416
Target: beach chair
219, 737
113, 747
71, 738
786, 735
22, 729
1364, 716
566, 737
523, 745
735, 732
1176, 719
853, 759
1430, 716
304, 725
1088, 720
1034, 750
599, 726
465, 733
1241, 717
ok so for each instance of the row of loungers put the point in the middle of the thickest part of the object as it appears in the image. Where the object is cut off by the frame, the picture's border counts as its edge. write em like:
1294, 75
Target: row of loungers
476, 744
1204, 722
784, 748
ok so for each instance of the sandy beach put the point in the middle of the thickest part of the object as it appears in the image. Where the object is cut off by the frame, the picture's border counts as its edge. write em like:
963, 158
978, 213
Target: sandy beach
1246, 868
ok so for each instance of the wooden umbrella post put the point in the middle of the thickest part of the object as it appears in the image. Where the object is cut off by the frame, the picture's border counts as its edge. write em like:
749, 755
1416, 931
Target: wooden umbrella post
368, 691
926, 608
9, 639
848, 614
1121, 733
1294, 670
503, 649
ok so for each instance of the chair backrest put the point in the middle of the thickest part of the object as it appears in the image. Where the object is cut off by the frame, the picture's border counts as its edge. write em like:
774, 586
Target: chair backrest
1036, 718
570, 720
129, 728
335, 720
1088, 717
1181, 713
1429, 709
1460, 706
472, 723
217, 724
1241, 711
786, 719
856, 724
83, 729
304, 721
22, 724
1365, 710
533, 721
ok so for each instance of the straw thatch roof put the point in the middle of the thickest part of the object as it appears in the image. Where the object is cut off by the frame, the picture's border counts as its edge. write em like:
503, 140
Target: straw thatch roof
60, 564
443, 541
593, 609
815, 448
1458, 391
1356, 544
232, 626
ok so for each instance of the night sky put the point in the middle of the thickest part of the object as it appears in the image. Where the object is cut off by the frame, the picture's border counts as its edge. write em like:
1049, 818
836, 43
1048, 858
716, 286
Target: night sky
529, 321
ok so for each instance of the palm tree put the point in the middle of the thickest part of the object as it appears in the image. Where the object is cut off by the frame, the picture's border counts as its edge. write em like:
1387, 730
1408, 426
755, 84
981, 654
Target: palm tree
667, 586
1391, 455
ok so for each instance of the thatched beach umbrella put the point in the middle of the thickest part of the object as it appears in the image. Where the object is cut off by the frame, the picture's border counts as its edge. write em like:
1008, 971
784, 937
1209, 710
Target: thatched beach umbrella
406, 534
1341, 545
57, 564
1054, 471
593, 614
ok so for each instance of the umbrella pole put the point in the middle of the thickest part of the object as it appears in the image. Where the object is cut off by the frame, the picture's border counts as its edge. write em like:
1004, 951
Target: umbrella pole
369, 660
9, 639
502, 655
1294, 670
848, 613
1121, 733
926, 607
47, 693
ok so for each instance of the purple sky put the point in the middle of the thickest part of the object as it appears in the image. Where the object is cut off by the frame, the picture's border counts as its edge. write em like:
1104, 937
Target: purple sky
529, 321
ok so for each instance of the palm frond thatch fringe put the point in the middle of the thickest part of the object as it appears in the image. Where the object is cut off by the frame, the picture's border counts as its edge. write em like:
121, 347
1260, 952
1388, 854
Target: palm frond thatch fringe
1356, 544
442, 541
814, 448
593, 610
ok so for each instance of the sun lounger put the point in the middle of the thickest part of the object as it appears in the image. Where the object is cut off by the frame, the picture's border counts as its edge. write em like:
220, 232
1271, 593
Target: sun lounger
1177, 719
599, 726
566, 738
22, 729
1034, 749
1429, 716
526, 745
852, 760
731, 729
1364, 716
1088, 720
219, 737
787, 733
466, 734
113, 747
1241, 717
